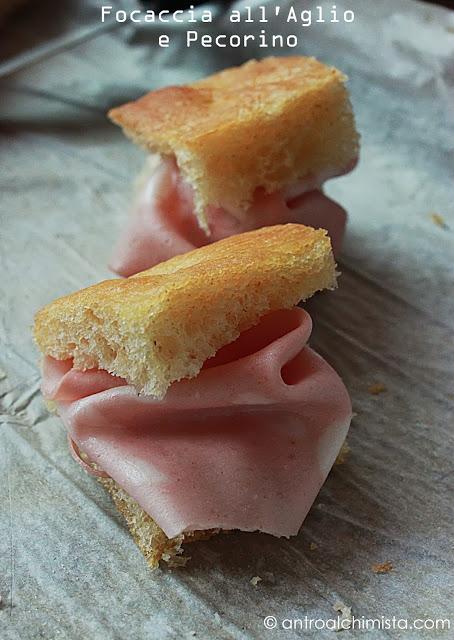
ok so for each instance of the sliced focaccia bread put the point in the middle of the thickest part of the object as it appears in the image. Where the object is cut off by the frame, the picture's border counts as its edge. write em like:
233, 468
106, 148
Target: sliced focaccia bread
161, 325
244, 148
191, 392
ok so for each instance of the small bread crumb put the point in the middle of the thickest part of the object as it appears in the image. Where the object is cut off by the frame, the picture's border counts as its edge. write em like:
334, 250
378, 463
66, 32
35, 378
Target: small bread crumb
174, 561
438, 220
382, 567
343, 454
255, 580
313, 546
376, 388
345, 617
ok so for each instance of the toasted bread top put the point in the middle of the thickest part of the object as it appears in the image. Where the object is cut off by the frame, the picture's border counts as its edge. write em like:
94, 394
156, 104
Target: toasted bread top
267, 123
162, 324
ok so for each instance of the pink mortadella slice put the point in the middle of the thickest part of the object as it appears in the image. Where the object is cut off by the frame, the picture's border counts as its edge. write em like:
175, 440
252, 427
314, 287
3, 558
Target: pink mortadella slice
162, 223
245, 445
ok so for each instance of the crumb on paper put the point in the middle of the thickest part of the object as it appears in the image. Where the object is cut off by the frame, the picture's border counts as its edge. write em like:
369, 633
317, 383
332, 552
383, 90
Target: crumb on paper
382, 567
438, 220
343, 454
177, 561
376, 388
50, 405
345, 616
255, 580
313, 546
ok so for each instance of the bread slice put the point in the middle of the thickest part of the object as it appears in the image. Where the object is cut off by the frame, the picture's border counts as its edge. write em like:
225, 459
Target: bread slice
161, 325
267, 123
149, 537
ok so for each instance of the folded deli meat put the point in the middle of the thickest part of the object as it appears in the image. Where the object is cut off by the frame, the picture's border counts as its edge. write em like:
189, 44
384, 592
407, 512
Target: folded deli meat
248, 147
245, 445
162, 223
190, 390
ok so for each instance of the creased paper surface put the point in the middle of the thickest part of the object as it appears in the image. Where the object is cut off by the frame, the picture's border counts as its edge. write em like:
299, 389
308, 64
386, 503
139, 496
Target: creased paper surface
68, 567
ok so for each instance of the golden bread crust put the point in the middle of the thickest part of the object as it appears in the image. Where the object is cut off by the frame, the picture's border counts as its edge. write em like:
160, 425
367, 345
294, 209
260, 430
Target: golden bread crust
162, 324
267, 123
149, 537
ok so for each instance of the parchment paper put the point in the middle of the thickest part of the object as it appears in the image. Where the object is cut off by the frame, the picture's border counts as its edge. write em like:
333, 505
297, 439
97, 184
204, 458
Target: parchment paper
68, 567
